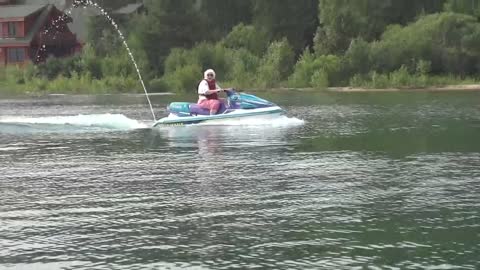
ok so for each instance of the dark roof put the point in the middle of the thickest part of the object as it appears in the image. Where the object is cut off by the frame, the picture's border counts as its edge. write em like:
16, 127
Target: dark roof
129, 9
33, 31
60, 4
18, 11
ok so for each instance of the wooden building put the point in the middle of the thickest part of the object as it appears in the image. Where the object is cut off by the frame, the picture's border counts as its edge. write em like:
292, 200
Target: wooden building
31, 33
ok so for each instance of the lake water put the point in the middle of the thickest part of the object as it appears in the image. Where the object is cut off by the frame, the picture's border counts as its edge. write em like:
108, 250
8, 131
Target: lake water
345, 181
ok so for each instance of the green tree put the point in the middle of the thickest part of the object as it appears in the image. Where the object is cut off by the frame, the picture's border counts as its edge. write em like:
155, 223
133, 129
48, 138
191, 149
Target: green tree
247, 37
449, 41
100, 32
357, 58
169, 24
344, 20
102, 36
294, 19
276, 65
316, 71
470, 7
222, 15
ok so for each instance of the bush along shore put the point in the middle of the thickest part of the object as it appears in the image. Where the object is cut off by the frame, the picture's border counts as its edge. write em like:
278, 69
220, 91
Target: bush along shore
23, 81
426, 45
34, 80
81, 74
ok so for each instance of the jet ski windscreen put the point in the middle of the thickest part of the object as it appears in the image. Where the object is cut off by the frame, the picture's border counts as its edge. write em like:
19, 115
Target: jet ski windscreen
252, 102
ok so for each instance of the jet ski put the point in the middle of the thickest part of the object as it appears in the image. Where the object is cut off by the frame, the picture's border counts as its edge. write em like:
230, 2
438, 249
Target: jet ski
236, 106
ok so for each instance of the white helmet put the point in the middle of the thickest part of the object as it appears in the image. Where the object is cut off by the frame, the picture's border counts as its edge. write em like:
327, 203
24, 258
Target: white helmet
209, 71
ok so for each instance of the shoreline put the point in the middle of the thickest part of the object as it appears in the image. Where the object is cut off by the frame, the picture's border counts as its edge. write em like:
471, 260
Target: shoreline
346, 89
445, 88
351, 89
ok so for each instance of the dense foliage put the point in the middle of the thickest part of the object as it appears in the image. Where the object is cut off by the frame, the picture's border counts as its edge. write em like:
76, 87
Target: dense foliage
281, 43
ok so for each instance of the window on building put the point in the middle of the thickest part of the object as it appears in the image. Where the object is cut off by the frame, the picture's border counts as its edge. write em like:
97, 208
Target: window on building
16, 55
12, 29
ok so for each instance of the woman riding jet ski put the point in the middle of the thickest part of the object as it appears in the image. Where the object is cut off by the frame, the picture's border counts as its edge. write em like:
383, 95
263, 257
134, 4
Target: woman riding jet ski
208, 90
211, 109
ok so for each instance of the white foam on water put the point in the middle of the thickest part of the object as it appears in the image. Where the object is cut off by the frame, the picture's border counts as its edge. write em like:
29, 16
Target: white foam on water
8, 149
107, 121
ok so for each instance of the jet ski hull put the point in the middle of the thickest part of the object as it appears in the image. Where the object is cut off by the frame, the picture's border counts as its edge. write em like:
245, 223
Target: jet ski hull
173, 120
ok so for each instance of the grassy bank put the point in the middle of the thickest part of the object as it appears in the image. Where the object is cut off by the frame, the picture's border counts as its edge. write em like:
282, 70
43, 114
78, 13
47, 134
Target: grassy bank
402, 79
24, 81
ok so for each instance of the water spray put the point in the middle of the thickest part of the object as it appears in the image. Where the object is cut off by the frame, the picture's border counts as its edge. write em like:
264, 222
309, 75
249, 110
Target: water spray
84, 4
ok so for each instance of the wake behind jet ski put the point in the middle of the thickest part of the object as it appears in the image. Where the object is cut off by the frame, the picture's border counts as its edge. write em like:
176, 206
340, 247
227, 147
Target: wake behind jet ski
236, 106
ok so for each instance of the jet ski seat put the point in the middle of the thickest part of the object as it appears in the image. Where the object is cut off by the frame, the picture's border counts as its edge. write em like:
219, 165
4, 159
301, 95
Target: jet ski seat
191, 109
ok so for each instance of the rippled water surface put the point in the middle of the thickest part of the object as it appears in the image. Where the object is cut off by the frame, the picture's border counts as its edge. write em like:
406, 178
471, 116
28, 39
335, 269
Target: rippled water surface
346, 181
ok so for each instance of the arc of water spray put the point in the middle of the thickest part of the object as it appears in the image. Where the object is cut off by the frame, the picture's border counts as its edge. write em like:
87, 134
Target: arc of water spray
84, 3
